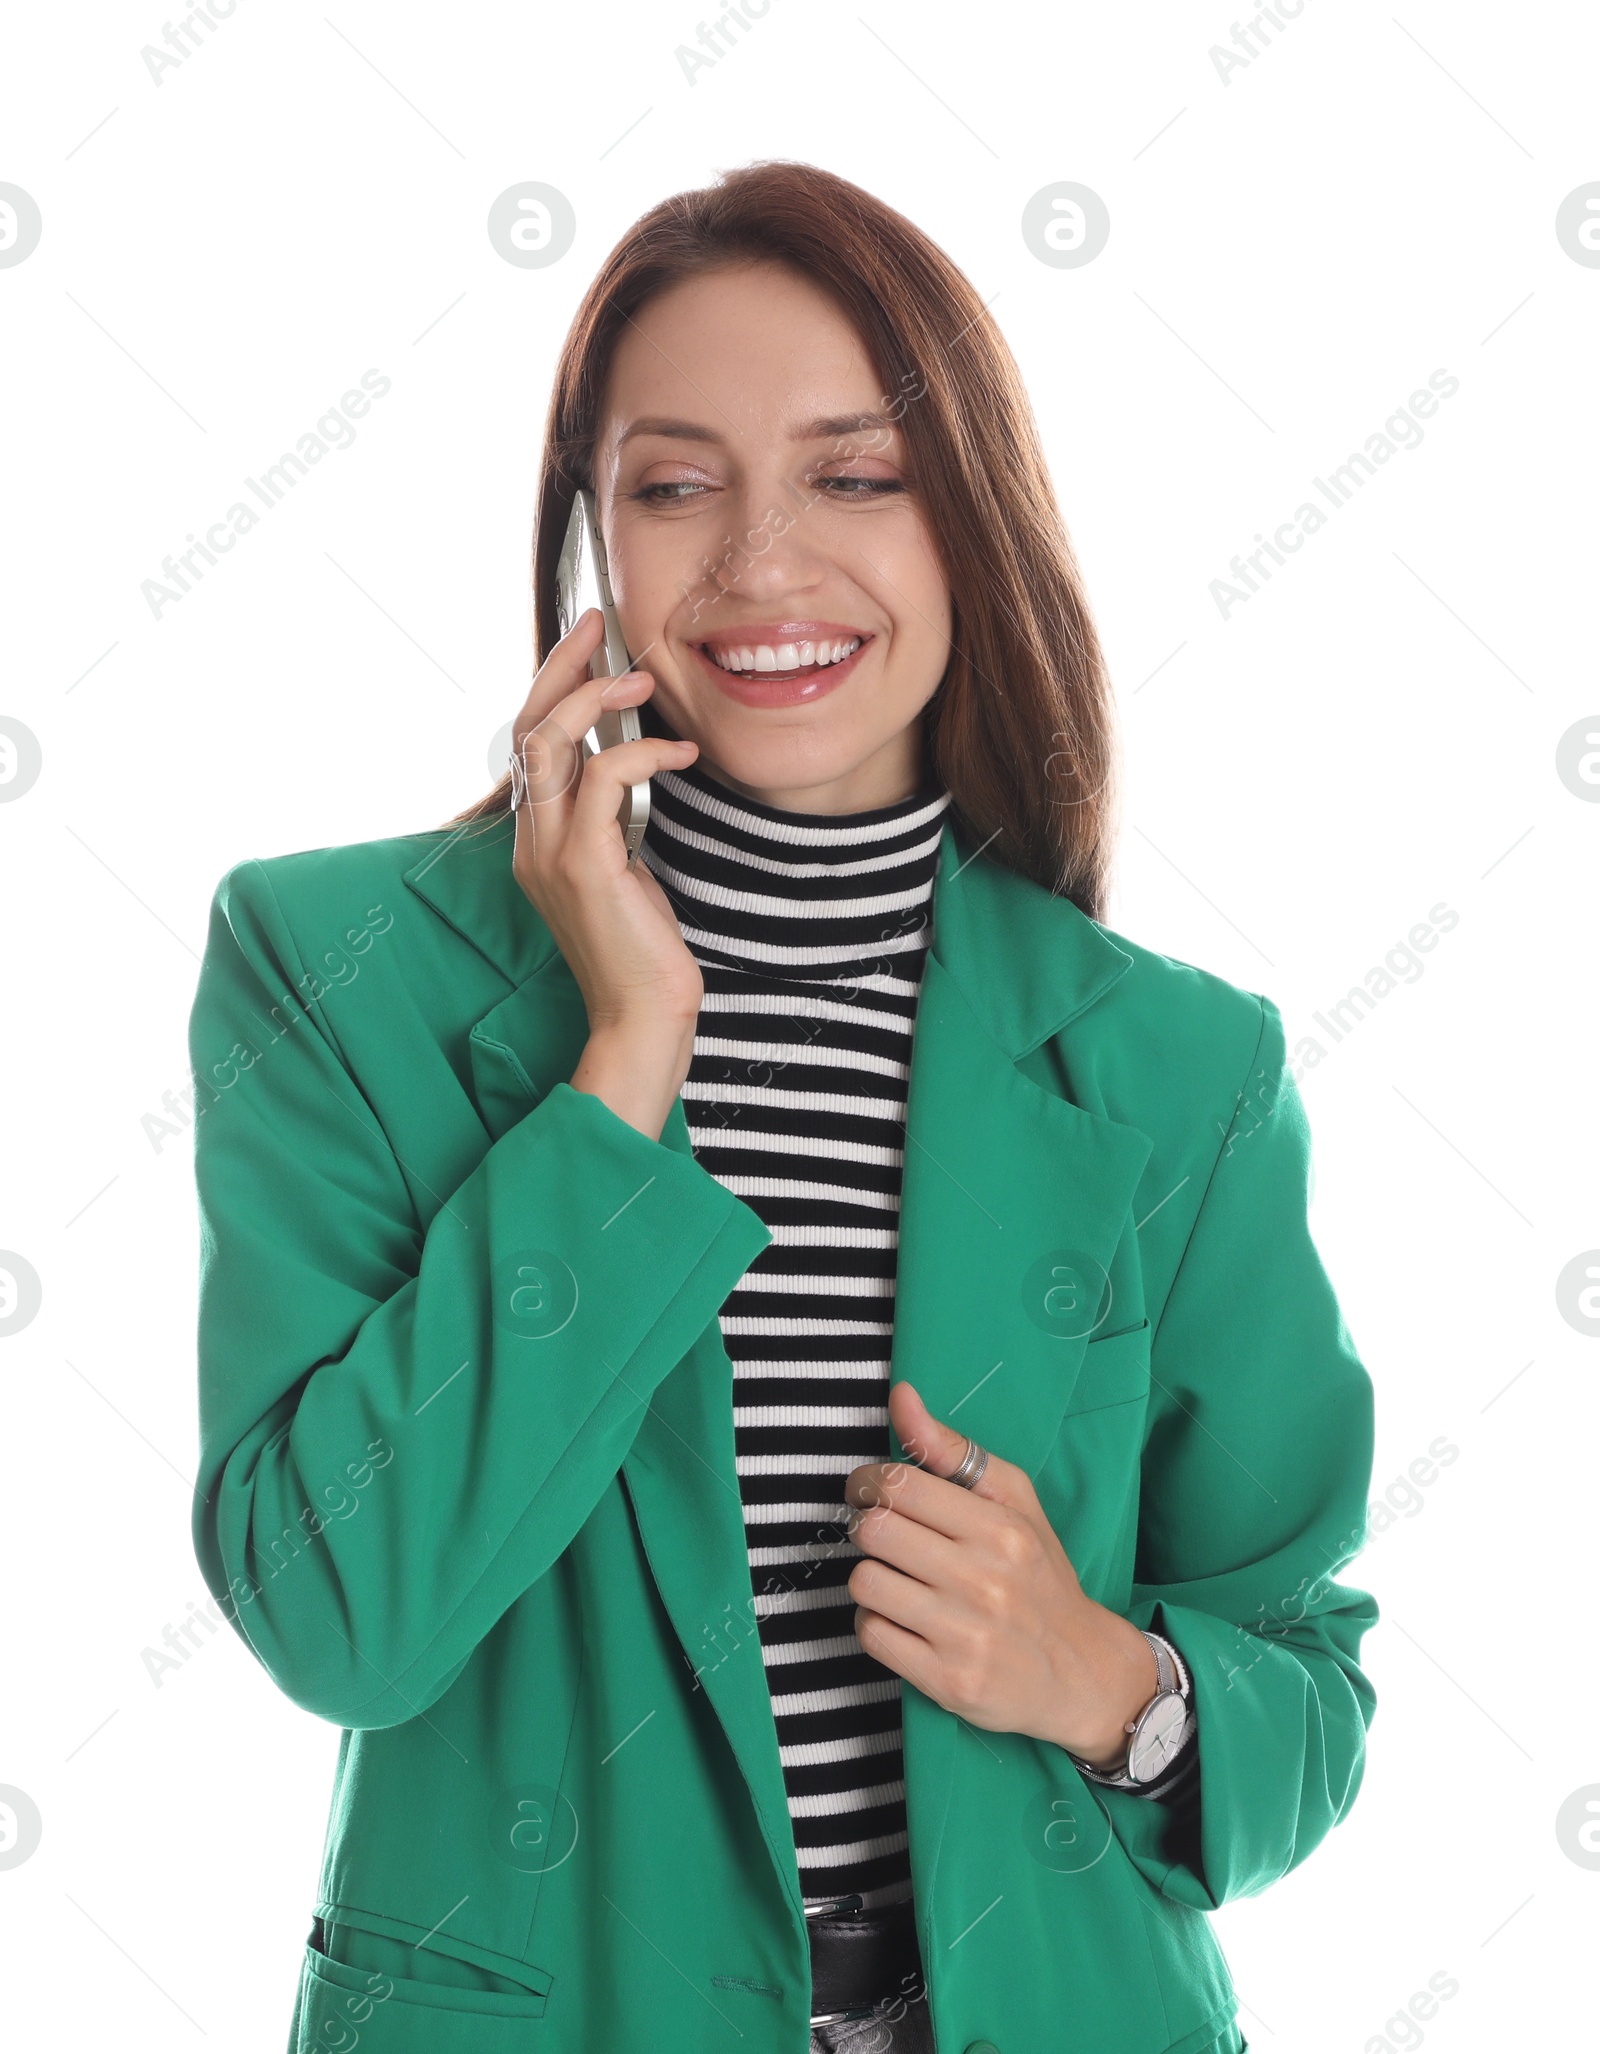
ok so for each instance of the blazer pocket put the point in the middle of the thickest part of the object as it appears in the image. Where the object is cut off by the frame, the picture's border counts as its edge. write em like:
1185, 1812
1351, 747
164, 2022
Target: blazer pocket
342, 2007
1116, 1370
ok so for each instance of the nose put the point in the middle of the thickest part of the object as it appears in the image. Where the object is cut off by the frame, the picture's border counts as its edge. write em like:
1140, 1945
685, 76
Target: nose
772, 548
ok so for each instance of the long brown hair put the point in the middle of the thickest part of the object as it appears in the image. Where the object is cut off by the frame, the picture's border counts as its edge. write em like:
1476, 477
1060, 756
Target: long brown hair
1021, 730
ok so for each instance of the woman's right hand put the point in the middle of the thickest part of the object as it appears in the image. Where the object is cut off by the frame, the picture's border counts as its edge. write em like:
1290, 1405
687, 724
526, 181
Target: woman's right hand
615, 927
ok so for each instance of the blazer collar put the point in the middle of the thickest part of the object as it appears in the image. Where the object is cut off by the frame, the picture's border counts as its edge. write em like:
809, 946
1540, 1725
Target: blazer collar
1025, 961
467, 880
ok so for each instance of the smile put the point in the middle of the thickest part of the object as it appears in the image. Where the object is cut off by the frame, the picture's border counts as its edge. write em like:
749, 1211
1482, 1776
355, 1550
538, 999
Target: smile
800, 662
787, 657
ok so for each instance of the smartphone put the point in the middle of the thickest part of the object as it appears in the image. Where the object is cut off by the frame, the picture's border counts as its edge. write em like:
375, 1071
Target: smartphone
583, 580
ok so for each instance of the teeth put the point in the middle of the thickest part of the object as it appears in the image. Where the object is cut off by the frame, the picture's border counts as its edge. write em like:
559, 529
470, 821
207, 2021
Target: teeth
786, 656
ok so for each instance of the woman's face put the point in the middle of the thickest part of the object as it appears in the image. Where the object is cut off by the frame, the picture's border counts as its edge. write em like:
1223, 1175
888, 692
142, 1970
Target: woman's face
748, 517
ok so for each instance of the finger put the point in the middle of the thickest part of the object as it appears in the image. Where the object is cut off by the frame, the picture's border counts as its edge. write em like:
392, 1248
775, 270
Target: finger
921, 1500
899, 1533
940, 1449
576, 711
928, 1442
566, 665
546, 759
907, 1654
895, 1594
564, 693
549, 758
594, 814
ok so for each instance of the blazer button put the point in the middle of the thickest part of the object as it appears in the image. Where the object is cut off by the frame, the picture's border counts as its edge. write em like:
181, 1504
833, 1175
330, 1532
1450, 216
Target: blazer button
982, 2047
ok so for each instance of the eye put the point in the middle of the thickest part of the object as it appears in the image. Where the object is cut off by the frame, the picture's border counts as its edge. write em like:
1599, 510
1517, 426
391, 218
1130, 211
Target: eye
646, 495
869, 488
678, 491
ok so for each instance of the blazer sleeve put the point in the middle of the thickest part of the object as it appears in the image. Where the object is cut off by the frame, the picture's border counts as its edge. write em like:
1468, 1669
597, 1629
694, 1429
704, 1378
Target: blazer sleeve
400, 1430
1256, 1471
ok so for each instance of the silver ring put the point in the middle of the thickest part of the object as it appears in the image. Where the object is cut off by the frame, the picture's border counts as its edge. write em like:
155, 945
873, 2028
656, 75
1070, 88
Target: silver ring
972, 1465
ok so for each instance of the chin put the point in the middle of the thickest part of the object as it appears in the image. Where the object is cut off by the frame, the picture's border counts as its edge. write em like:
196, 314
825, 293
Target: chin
778, 762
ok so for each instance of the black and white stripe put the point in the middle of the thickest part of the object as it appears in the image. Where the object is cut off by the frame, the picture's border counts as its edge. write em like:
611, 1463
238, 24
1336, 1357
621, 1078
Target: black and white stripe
811, 932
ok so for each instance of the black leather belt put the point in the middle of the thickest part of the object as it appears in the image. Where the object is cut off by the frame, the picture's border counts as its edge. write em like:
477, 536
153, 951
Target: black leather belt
860, 1958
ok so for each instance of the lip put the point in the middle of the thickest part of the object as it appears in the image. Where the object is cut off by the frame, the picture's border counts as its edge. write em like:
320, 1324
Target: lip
766, 690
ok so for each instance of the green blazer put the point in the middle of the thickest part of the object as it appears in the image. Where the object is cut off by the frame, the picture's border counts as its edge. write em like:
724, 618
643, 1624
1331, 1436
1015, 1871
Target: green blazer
467, 1484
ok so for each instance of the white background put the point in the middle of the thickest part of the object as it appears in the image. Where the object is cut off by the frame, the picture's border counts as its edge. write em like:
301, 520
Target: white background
1292, 253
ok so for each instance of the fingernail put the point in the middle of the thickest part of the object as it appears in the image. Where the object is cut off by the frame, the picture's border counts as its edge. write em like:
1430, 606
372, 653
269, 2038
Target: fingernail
615, 690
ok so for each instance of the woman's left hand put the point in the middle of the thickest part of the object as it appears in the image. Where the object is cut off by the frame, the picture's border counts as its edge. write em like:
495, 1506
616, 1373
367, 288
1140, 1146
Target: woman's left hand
969, 1595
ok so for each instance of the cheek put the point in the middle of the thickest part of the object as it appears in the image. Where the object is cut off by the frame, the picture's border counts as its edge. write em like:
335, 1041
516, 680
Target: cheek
647, 581
916, 596
930, 569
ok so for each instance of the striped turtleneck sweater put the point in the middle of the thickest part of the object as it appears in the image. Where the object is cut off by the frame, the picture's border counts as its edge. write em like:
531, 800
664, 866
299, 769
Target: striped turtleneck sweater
811, 932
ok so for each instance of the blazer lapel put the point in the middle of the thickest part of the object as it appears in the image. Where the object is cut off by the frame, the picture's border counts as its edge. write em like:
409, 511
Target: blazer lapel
530, 1040
1013, 1200
1013, 1203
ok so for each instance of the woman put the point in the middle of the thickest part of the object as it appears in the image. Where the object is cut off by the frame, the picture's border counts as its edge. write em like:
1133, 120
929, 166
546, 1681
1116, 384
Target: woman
584, 1246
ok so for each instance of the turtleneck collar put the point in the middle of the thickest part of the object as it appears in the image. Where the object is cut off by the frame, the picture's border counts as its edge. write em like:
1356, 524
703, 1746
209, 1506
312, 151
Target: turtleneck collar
793, 895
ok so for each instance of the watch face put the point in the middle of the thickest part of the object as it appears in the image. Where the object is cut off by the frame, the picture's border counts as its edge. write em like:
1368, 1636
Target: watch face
1161, 1733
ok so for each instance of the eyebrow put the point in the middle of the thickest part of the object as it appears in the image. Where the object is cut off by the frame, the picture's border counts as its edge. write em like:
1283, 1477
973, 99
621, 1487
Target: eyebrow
827, 427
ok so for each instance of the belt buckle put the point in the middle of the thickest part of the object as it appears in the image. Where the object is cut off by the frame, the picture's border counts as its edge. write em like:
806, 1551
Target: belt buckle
853, 1904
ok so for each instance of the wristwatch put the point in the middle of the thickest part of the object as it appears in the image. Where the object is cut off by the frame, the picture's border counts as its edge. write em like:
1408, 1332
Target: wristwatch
1160, 1730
